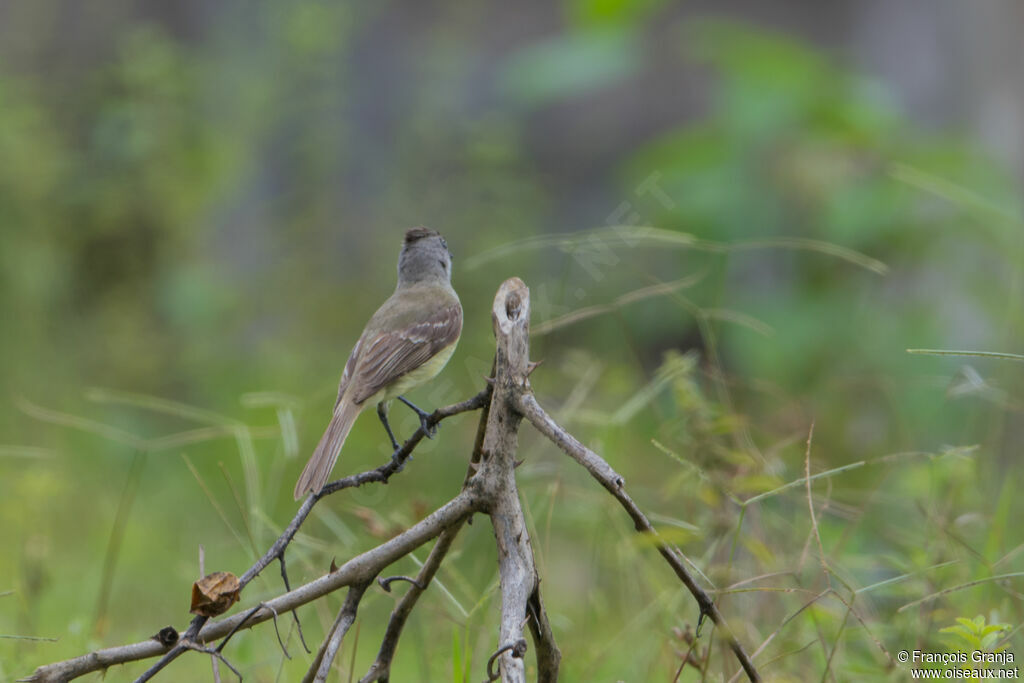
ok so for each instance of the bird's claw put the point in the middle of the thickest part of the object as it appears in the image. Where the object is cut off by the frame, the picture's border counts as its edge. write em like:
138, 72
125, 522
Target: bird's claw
429, 430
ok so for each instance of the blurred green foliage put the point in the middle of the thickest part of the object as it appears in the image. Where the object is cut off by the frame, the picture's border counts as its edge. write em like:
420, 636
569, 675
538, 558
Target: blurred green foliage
975, 633
201, 228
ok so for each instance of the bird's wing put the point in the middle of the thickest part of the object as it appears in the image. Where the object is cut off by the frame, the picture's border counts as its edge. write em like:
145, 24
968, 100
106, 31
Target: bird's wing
390, 354
350, 368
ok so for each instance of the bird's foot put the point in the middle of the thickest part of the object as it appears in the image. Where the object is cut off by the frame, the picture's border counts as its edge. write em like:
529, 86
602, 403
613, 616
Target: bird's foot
429, 430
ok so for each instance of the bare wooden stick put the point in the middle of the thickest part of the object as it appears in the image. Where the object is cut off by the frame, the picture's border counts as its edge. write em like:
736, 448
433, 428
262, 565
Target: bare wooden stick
510, 316
489, 487
379, 474
613, 483
361, 568
321, 666
276, 551
380, 670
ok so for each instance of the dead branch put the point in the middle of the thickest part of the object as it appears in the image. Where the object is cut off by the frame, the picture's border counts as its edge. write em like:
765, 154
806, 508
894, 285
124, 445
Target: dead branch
380, 670
489, 487
361, 568
518, 574
614, 483
321, 666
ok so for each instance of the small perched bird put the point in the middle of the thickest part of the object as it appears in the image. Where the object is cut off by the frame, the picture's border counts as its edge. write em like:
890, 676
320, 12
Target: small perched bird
407, 342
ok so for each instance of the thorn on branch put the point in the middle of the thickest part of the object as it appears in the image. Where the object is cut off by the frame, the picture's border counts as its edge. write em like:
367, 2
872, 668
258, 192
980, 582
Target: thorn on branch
533, 365
705, 611
385, 583
518, 649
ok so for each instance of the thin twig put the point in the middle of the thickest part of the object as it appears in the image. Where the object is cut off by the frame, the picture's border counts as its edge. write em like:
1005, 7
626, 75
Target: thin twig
276, 551
360, 568
380, 670
379, 474
321, 666
613, 483
489, 487
778, 629
385, 582
518, 649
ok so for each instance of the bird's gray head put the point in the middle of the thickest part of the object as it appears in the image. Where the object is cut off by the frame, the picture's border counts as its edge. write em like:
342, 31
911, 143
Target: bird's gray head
424, 258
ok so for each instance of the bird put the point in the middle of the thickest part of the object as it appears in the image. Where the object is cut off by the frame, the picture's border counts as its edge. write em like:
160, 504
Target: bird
407, 342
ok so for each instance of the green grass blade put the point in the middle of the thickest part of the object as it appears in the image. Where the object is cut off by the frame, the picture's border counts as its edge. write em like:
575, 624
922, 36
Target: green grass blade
976, 354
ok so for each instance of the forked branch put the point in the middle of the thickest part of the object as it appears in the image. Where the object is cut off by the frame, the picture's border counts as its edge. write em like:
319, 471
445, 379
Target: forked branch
614, 484
489, 487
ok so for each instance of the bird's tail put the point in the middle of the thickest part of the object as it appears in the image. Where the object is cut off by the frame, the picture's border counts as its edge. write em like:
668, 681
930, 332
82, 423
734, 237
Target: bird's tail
322, 461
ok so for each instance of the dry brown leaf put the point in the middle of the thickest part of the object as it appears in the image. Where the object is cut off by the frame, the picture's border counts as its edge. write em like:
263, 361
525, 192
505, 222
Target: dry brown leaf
214, 594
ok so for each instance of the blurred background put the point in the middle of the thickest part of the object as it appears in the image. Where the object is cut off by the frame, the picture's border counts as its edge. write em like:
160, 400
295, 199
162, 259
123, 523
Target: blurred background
734, 217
